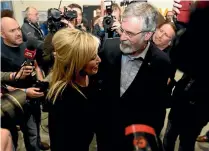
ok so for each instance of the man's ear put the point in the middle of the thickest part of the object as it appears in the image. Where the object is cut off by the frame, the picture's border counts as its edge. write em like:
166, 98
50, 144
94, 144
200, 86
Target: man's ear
2, 34
148, 36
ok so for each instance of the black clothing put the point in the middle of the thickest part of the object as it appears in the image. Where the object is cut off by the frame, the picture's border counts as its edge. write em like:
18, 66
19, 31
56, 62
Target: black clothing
32, 30
48, 58
12, 57
77, 132
142, 103
102, 35
190, 106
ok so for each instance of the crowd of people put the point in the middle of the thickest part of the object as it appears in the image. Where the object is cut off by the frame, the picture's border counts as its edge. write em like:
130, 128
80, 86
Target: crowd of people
101, 86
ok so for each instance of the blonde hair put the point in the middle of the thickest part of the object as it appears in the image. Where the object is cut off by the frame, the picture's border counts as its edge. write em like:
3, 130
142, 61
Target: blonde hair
74, 49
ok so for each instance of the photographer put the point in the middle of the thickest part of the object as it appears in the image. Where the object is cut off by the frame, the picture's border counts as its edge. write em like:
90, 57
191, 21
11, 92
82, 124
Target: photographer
67, 19
108, 26
81, 22
13, 60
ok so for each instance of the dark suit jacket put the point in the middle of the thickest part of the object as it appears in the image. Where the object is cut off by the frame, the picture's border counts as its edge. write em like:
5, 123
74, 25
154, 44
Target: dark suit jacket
143, 102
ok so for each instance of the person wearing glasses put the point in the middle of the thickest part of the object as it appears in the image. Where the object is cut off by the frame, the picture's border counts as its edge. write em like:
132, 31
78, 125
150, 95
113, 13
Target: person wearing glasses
133, 78
164, 36
99, 27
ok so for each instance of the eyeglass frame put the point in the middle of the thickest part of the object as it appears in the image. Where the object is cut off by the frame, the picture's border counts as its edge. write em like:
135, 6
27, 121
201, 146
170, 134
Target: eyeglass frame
124, 31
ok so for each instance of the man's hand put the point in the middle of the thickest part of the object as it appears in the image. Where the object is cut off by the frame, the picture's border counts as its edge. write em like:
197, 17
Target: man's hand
82, 26
116, 26
33, 92
99, 21
177, 6
10, 88
68, 23
24, 72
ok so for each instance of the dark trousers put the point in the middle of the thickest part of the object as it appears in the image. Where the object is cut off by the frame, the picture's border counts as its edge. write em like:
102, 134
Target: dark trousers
31, 126
187, 131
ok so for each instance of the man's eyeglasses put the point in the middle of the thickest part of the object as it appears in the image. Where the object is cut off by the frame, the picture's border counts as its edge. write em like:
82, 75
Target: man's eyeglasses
129, 34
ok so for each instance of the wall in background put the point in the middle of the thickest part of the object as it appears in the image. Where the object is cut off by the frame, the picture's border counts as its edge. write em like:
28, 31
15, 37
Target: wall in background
43, 5
6, 5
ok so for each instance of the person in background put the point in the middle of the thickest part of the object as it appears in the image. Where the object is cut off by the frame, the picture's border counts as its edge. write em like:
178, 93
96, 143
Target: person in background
98, 15
81, 22
69, 93
31, 27
99, 30
169, 15
48, 49
190, 106
164, 35
12, 59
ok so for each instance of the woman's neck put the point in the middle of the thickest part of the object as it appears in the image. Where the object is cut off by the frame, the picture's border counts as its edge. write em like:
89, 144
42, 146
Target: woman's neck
82, 81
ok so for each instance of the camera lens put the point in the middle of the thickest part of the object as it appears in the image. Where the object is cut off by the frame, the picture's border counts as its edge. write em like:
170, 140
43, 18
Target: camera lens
12, 105
108, 21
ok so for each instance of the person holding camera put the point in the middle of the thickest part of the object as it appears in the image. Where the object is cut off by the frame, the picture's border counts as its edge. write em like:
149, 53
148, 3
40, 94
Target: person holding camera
76, 60
68, 19
81, 21
13, 60
108, 26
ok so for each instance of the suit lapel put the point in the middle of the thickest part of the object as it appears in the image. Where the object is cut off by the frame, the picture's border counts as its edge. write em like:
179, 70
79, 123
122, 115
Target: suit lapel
118, 72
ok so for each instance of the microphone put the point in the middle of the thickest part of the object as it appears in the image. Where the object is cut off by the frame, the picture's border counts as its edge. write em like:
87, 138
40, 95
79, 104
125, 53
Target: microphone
141, 137
30, 52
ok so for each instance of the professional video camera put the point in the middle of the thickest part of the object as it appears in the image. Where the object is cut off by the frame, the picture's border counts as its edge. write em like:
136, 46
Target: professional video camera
55, 16
12, 104
12, 107
108, 19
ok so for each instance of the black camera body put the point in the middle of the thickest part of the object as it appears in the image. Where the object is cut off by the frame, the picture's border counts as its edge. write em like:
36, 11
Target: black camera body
42, 85
109, 19
55, 16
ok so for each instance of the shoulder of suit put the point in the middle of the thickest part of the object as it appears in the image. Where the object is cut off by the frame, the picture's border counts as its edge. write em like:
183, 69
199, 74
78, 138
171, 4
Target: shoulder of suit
159, 55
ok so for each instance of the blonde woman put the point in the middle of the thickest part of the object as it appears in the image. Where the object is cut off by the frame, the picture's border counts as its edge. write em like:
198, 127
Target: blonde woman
71, 113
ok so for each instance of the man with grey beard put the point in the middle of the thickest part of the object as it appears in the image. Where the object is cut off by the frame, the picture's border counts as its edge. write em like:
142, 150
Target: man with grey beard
132, 79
